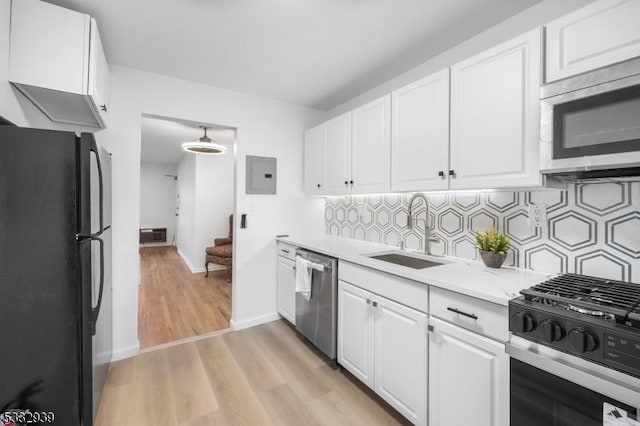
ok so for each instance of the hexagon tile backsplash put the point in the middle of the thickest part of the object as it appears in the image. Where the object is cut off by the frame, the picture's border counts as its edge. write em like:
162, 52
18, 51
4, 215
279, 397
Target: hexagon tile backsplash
592, 229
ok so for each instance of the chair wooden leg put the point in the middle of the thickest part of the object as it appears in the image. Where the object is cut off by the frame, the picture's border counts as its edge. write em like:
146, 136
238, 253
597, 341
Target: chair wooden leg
206, 266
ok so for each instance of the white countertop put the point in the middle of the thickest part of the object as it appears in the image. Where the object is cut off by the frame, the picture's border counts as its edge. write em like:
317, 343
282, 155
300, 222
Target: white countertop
459, 275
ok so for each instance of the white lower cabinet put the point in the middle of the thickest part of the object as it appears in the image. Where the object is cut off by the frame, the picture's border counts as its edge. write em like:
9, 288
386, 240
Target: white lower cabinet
356, 332
287, 289
384, 344
468, 378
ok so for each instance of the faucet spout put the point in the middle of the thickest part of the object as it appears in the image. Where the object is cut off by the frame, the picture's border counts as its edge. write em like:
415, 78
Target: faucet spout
427, 228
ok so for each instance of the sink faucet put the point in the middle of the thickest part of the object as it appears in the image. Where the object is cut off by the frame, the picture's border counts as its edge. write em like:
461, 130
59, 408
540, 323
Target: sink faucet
427, 229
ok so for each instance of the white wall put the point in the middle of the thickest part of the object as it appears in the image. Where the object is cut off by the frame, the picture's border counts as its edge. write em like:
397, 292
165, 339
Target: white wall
205, 190
265, 127
186, 190
531, 18
214, 202
158, 198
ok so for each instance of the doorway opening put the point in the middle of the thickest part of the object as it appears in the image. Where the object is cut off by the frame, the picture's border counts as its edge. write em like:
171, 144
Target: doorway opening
186, 208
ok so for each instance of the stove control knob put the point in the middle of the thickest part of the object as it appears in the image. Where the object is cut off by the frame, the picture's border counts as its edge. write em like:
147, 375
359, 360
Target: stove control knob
551, 331
523, 322
582, 340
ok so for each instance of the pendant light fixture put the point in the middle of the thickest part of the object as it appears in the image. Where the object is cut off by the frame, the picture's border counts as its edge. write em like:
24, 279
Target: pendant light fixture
204, 145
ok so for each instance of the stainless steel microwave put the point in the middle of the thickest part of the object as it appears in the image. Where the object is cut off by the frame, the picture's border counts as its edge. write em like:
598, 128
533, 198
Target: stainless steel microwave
590, 123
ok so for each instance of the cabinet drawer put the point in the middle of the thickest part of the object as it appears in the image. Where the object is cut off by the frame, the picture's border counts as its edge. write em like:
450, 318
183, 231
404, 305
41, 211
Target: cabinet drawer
401, 290
483, 317
287, 250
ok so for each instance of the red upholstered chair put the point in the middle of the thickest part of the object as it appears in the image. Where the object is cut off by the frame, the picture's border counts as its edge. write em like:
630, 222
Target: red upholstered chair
222, 251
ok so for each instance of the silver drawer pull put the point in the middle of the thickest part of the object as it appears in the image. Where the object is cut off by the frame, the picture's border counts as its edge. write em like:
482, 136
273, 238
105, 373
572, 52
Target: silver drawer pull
474, 316
285, 251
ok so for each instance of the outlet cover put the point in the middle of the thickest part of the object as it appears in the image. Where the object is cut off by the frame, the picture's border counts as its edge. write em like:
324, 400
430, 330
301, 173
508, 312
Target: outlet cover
538, 216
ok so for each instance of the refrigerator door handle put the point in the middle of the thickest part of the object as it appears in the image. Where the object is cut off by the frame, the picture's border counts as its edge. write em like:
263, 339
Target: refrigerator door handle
95, 310
94, 149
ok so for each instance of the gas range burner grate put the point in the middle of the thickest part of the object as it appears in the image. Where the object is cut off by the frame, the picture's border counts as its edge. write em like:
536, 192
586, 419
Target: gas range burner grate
612, 300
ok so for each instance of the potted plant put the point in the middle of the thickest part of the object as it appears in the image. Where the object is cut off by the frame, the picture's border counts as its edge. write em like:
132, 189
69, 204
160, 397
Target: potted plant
493, 246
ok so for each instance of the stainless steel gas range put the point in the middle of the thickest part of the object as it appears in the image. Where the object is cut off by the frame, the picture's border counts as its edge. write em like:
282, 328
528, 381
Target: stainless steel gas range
575, 353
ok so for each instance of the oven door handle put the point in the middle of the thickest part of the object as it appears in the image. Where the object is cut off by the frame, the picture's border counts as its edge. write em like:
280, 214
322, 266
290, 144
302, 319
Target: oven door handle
600, 379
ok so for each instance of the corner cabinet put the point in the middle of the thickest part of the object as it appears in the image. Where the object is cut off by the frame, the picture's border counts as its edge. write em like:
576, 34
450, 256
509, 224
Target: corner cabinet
57, 61
468, 378
384, 344
420, 135
495, 117
313, 164
597, 35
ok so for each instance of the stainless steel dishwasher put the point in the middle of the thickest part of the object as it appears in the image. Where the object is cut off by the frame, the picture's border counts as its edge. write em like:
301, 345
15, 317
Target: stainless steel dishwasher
317, 318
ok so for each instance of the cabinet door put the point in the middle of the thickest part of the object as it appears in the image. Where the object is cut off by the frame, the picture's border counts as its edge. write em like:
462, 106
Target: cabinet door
468, 378
600, 34
48, 46
420, 135
337, 155
371, 147
401, 359
495, 116
287, 289
313, 182
355, 331
98, 75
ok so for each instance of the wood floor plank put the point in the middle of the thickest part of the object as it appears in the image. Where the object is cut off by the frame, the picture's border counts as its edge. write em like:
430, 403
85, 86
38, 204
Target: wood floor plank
285, 408
152, 387
292, 363
265, 375
238, 403
258, 369
190, 387
174, 303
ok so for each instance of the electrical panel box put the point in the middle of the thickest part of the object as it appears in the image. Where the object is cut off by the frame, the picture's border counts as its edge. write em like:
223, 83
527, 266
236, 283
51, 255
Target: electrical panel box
261, 175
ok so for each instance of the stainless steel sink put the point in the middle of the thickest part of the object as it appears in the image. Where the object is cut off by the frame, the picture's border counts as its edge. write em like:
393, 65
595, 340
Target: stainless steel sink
406, 260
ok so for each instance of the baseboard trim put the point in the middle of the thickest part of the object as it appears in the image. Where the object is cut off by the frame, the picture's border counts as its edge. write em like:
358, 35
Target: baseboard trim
185, 340
125, 352
252, 322
194, 270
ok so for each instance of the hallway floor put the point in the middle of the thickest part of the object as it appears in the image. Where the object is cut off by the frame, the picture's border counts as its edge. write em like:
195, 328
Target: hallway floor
265, 375
175, 304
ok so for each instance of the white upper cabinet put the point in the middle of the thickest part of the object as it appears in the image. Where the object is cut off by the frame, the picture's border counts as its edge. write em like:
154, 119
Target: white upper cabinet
600, 34
371, 147
57, 61
495, 116
337, 155
313, 165
420, 135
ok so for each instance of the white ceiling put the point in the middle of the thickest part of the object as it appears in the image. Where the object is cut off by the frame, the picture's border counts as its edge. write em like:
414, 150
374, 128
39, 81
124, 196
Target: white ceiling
318, 53
162, 138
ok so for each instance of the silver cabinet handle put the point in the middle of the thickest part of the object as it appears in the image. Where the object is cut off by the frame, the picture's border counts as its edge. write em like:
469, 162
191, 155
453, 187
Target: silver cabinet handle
375, 304
285, 251
368, 301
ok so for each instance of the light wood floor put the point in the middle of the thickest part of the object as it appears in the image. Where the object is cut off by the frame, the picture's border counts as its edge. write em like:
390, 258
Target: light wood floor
266, 375
175, 304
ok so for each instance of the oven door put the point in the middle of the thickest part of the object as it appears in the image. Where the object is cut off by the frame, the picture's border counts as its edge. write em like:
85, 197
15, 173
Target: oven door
593, 128
551, 388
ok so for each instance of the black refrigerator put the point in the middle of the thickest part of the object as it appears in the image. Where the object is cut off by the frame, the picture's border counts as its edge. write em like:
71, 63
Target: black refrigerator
55, 274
